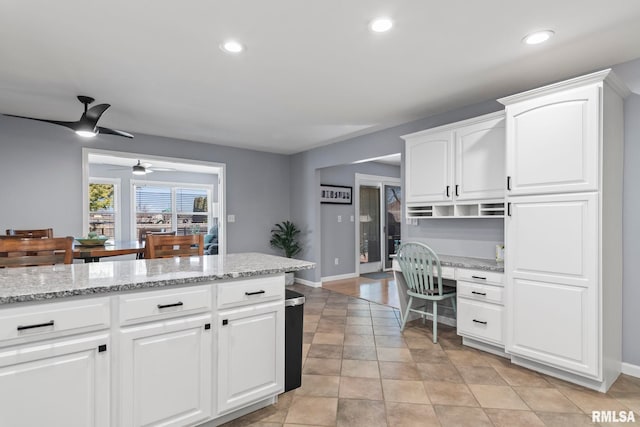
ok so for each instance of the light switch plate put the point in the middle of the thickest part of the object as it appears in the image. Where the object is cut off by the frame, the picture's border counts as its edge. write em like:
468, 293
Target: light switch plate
339, 218
231, 218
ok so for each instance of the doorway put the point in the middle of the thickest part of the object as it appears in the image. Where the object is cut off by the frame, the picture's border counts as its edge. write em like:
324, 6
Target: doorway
378, 216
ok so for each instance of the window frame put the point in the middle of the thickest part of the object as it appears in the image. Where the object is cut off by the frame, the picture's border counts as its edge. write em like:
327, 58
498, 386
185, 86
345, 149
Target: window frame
117, 205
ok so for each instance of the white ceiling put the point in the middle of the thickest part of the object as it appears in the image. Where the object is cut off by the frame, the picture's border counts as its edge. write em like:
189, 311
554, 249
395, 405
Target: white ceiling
312, 72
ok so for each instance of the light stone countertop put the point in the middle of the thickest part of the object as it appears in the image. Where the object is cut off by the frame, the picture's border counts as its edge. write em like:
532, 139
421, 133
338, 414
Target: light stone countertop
471, 263
60, 281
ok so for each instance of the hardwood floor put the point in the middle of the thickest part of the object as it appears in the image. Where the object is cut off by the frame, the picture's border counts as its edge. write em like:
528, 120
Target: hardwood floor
381, 291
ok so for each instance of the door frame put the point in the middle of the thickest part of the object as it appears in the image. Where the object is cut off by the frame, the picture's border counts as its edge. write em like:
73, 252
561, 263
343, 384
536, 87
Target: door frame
371, 181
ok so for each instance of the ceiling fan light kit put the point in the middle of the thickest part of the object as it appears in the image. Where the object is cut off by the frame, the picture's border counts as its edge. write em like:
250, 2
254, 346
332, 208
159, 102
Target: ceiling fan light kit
87, 126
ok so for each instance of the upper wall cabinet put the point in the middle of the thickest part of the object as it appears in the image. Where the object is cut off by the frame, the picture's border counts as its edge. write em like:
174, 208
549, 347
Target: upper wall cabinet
460, 161
553, 142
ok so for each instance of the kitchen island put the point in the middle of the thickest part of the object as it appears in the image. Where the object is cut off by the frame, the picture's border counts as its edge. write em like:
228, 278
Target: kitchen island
172, 342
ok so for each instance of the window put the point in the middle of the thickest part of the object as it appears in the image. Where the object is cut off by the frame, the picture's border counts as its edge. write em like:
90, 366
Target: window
104, 210
181, 208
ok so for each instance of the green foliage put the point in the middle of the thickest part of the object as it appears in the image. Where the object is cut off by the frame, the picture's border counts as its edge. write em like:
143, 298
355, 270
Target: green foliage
100, 197
284, 236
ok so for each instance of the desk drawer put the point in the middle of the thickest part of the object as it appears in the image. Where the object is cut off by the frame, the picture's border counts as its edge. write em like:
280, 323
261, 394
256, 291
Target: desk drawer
480, 292
480, 320
44, 320
480, 276
449, 273
251, 291
146, 306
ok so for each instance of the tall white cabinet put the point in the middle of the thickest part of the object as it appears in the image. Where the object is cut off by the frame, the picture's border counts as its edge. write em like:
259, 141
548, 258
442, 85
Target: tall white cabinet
563, 229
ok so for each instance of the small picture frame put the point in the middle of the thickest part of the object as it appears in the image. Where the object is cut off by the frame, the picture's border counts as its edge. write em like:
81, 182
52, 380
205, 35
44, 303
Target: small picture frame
336, 194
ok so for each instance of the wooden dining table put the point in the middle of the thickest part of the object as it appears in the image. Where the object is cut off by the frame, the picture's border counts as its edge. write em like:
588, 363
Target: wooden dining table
94, 253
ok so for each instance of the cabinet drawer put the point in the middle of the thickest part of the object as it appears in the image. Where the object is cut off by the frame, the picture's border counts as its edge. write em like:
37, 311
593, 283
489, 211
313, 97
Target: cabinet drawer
41, 320
480, 292
146, 306
480, 320
480, 276
252, 291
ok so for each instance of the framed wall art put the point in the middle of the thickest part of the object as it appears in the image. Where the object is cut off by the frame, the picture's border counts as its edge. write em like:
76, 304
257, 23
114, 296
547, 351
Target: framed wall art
336, 194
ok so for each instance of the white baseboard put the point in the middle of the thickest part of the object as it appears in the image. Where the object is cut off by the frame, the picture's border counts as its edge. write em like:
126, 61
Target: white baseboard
339, 277
629, 369
308, 283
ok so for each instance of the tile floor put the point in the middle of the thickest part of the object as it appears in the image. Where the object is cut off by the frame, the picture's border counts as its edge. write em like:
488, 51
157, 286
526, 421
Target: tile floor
360, 370
382, 291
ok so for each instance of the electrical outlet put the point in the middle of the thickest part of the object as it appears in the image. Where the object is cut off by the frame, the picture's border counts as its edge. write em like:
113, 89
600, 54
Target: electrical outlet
352, 218
231, 218
336, 261
339, 218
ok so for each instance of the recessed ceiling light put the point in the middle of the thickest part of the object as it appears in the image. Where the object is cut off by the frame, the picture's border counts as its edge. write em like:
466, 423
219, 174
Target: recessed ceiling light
232, 46
380, 25
538, 37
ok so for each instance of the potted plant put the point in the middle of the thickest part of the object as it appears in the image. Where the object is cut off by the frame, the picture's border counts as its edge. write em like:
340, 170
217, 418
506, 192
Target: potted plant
284, 236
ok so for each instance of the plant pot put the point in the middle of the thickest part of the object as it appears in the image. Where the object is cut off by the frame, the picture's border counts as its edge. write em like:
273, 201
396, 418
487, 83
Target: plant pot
289, 279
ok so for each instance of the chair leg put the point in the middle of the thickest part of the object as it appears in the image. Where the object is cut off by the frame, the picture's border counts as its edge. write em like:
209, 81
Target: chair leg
435, 322
406, 314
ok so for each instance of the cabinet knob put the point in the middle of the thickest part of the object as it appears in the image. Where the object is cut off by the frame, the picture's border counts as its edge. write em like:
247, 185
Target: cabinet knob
225, 322
102, 348
448, 187
480, 321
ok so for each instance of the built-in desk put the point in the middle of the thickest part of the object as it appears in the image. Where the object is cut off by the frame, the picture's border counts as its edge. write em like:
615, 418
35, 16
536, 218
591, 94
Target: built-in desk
479, 294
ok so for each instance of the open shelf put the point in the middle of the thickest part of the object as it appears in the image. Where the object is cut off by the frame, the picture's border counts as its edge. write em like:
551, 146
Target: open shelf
484, 209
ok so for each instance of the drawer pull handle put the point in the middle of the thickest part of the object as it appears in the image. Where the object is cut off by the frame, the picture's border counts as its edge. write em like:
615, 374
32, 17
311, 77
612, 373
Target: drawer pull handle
254, 293
479, 293
38, 325
479, 277
177, 304
479, 321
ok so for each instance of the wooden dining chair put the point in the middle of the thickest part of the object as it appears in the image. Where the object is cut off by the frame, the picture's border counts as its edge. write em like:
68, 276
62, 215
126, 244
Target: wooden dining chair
26, 252
162, 246
145, 232
35, 234
423, 274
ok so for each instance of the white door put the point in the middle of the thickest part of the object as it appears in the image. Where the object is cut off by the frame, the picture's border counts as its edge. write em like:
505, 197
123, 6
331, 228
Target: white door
552, 142
165, 373
552, 280
60, 383
429, 168
250, 355
480, 161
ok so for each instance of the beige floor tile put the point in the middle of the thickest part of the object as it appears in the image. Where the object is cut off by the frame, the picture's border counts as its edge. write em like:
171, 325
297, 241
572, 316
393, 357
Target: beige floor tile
630, 400
480, 375
331, 320
319, 385
459, 416
361, 413
386, 330
565, 420
305, 351
545, 400
452, 394
330, 328
589, 400
425, 355
626, 384
517, 376
325, 351
334, 312
360, 368
404, 391
385, 321
359, 321
358, 330
439, 372
310, 326
421, 342
359, 353
313, 410
399, 371
467, 358
307, 337
394, 355
510, 418
301, 425
411, 415
360, 388
391, 341
311, 318
324, 338
497, 396
360, 340
359, 313
313, 366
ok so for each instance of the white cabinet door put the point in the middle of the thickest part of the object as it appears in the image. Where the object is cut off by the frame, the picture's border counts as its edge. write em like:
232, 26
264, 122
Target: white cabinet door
165, 373
250, 355
480, 161
429, 168
552, 280
58, 383
552, 142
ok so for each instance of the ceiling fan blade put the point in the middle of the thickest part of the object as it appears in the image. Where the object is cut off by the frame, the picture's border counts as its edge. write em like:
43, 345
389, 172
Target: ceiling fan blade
70, 125
94, 113
114, 132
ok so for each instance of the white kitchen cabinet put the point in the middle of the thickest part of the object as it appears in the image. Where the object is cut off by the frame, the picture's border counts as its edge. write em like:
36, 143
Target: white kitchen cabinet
63, 382
563, 229
460, 161
166, 372
250, 354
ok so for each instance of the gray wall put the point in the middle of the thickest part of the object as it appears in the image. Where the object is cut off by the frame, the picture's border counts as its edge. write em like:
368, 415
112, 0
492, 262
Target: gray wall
41, 174
338, 238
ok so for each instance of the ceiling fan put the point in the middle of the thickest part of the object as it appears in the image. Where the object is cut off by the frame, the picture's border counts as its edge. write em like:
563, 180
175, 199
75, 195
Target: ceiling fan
87, 126
144, 168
